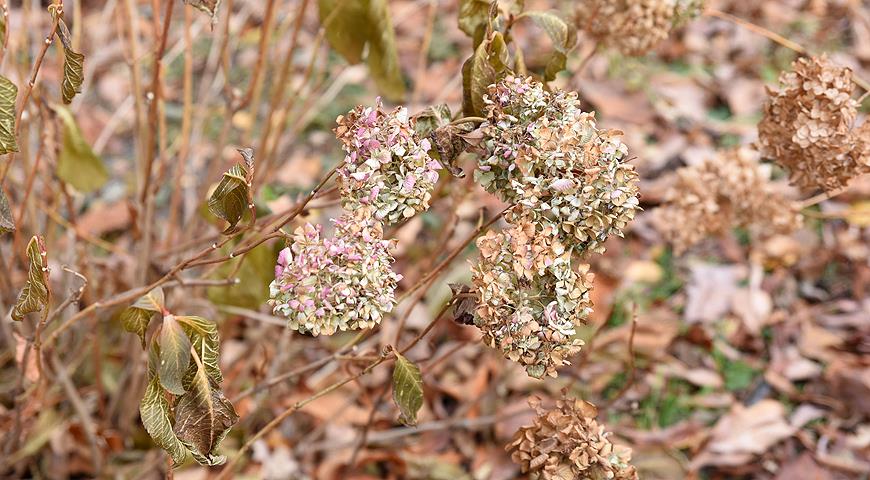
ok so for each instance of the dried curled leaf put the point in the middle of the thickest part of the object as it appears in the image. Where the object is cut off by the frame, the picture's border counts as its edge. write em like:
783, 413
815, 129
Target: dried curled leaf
136, 317
208, 6
34, 294
366, 22
487, 66
8, 93
73, 65
473, 18
77, 163
203, 415
229, 200
407, 389
174, 352
155, 412
7, 224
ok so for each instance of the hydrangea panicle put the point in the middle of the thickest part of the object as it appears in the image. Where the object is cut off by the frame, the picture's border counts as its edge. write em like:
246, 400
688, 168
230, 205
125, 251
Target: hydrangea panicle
387, 166
732, 190
809, 126
527, 308
344, 282
566, 442
543, 152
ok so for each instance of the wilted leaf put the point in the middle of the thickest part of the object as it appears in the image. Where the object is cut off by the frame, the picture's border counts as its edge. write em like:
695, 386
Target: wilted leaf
561, 33
858, 214
73, 65
7, 224
229, 200
407, 389
464, 303
154, 410
366, 22
203, 416
431, 119
174, 355
136, 317
488, 65
208, 6
473, 17
34, 294
206, 342
255, 273
8, 93
77, 163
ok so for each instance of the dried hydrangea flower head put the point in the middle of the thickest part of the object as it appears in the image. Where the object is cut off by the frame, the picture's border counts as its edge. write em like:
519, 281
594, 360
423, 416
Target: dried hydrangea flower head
344, 282
566, 443
634, 27
527, 309
730, 191
544, 153
809, 126
387, 165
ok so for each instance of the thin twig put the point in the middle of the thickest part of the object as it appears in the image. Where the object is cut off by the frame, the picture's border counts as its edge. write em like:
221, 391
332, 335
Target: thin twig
631, 367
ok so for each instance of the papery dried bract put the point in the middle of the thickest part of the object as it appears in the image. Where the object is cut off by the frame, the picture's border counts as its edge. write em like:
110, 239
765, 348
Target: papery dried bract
387, 168
721, 193
528, 309
344, 282
809, 126
567, 442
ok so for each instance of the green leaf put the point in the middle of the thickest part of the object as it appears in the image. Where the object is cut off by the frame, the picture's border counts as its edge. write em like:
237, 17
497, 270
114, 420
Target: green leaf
208, 6
155, 412
174, 356
77, 164
229, 200
473, 18
34, 294
8, 93
561, 33
206, 343
256, 271
7, 224
203, 416
488, 65
358, 23
407, 389
136, 317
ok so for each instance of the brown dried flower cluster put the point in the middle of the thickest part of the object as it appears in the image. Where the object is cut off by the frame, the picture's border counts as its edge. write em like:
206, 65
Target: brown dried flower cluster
809, 126
566, 443
529, 307
722, 193
634, 27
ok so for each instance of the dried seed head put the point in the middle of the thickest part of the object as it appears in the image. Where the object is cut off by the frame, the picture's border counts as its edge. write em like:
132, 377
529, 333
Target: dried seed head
719, 194
809, 126
387, 166
341, 283
634, 27
529, 307
544, 153
567, 443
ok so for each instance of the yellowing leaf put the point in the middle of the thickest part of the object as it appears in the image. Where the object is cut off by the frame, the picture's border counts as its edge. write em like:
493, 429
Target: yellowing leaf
8, 93
407, 389
203, 416
77, 163
174, 355
206, 342
34, 295
73, 65
7, 224
155, 413
136, 317
488, 65
366, 22
858, 214
473, 18
256, 271
561, 33
229, 200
